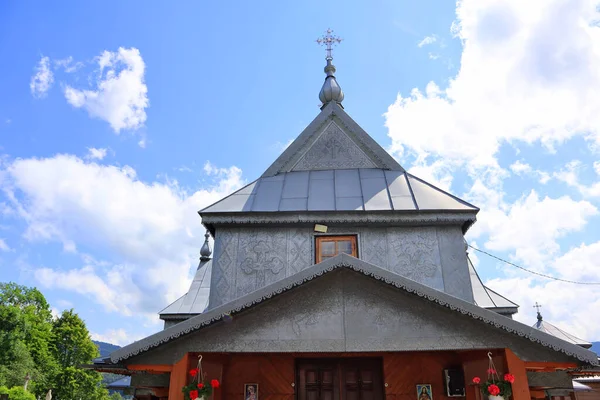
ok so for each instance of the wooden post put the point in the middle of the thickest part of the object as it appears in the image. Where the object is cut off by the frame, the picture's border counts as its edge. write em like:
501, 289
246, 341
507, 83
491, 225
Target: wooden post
179, 375
516, 366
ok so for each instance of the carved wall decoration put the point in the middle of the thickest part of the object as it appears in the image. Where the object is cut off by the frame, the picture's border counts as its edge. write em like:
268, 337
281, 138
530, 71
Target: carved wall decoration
299, 250
414, 253
262, 256
334, 150
223, 272
374, 247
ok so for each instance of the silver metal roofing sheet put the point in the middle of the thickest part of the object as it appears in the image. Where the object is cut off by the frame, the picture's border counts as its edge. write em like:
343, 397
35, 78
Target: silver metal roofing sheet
367, 189
195, 300
559, 333
428, 197
485, 297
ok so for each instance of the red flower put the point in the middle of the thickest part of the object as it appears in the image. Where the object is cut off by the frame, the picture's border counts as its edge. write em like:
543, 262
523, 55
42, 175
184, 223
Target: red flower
200, 385
509, 378
214, 383
494, 390
476, 380
193, 394
194, 372
491, 371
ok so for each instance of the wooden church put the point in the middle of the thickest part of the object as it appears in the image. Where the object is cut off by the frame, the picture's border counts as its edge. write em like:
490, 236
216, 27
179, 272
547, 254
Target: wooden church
338, 275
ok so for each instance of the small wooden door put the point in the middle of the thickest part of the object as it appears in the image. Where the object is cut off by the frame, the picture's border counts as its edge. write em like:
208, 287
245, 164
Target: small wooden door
339, 379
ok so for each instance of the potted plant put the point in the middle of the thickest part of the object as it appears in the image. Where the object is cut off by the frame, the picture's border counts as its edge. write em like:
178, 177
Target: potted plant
200, 387
494, 387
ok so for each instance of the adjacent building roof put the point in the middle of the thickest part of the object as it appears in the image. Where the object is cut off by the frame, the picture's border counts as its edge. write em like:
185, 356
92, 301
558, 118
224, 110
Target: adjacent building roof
195, 300
344, 261
550, 329
487, 298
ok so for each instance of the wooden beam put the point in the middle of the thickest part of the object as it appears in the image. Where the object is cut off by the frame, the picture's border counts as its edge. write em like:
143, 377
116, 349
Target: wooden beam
516, 366
179, 376
537, 394
161, 392
159, 368
549, 366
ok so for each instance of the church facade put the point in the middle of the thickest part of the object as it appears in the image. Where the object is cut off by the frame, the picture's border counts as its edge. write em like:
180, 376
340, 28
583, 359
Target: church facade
339, 275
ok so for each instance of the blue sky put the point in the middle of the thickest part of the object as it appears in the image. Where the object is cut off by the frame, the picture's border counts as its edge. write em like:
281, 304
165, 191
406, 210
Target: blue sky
119, 120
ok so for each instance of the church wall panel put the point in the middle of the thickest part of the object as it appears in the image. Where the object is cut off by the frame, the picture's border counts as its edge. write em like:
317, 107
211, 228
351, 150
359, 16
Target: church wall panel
249, 258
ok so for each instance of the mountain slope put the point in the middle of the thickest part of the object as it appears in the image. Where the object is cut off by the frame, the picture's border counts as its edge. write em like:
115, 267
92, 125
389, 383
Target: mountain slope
105, 348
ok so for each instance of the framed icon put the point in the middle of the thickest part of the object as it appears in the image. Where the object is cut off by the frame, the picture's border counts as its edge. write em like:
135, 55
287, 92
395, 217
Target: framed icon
424, 392
251, 391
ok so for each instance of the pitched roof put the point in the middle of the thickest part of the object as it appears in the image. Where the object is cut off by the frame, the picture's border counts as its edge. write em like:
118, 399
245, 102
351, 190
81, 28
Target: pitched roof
486, 297
195, 300
345, 261
334, 165
550, 329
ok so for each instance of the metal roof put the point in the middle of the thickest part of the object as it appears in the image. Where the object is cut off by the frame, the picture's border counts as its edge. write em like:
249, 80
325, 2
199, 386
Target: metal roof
559, 333
358, 189
486, 297
195, 300
345, 261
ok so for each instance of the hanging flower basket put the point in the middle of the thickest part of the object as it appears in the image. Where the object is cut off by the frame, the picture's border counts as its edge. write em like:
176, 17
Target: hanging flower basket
200, 387
494, 387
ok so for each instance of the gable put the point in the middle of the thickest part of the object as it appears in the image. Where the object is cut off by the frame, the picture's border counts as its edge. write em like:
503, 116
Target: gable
332, 141
346, 311
468, 319
333, 149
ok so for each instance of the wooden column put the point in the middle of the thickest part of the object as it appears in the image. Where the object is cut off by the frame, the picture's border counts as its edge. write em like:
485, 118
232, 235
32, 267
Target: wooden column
516, 366
179, 375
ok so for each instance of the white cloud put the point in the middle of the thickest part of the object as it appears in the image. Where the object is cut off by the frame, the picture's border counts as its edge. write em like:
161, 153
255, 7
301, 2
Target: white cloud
427, 40
569, 174
145, 231
561, 302
521, 80
530, 227
116, 336
96, 154
120, 96
3, 245
597, 167
68, 65
520, 168
42, 80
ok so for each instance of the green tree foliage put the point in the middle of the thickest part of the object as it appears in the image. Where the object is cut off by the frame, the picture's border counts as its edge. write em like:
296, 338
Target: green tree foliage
17, 393
73, 347
45, 352
25, 337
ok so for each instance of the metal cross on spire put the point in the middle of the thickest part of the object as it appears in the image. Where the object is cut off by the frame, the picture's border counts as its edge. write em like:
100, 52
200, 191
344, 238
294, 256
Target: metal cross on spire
537, 307
328, 40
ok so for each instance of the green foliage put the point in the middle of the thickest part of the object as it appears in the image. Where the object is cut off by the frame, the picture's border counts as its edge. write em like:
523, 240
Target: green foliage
25, 338
115, 396
46, 351
17, 393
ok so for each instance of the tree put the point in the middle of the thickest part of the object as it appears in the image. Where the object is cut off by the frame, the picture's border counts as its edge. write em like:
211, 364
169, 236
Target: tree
73, 347
25, 338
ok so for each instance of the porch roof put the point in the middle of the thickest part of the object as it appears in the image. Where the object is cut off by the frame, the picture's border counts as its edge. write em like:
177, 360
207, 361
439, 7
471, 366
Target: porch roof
345, 261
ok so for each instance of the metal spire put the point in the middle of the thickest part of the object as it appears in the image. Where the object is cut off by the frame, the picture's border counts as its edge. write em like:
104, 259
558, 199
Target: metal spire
537, 307
205, 251
330, 91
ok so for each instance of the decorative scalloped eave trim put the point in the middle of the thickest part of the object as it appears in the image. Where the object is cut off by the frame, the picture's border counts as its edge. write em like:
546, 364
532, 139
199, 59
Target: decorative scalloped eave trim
446, 219
419, 293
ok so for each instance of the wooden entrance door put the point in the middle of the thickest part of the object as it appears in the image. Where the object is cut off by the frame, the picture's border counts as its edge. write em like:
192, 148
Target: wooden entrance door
339, 379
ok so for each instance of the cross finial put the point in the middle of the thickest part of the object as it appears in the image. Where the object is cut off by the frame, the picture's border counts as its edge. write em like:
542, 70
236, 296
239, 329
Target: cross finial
328, 40
537, 307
